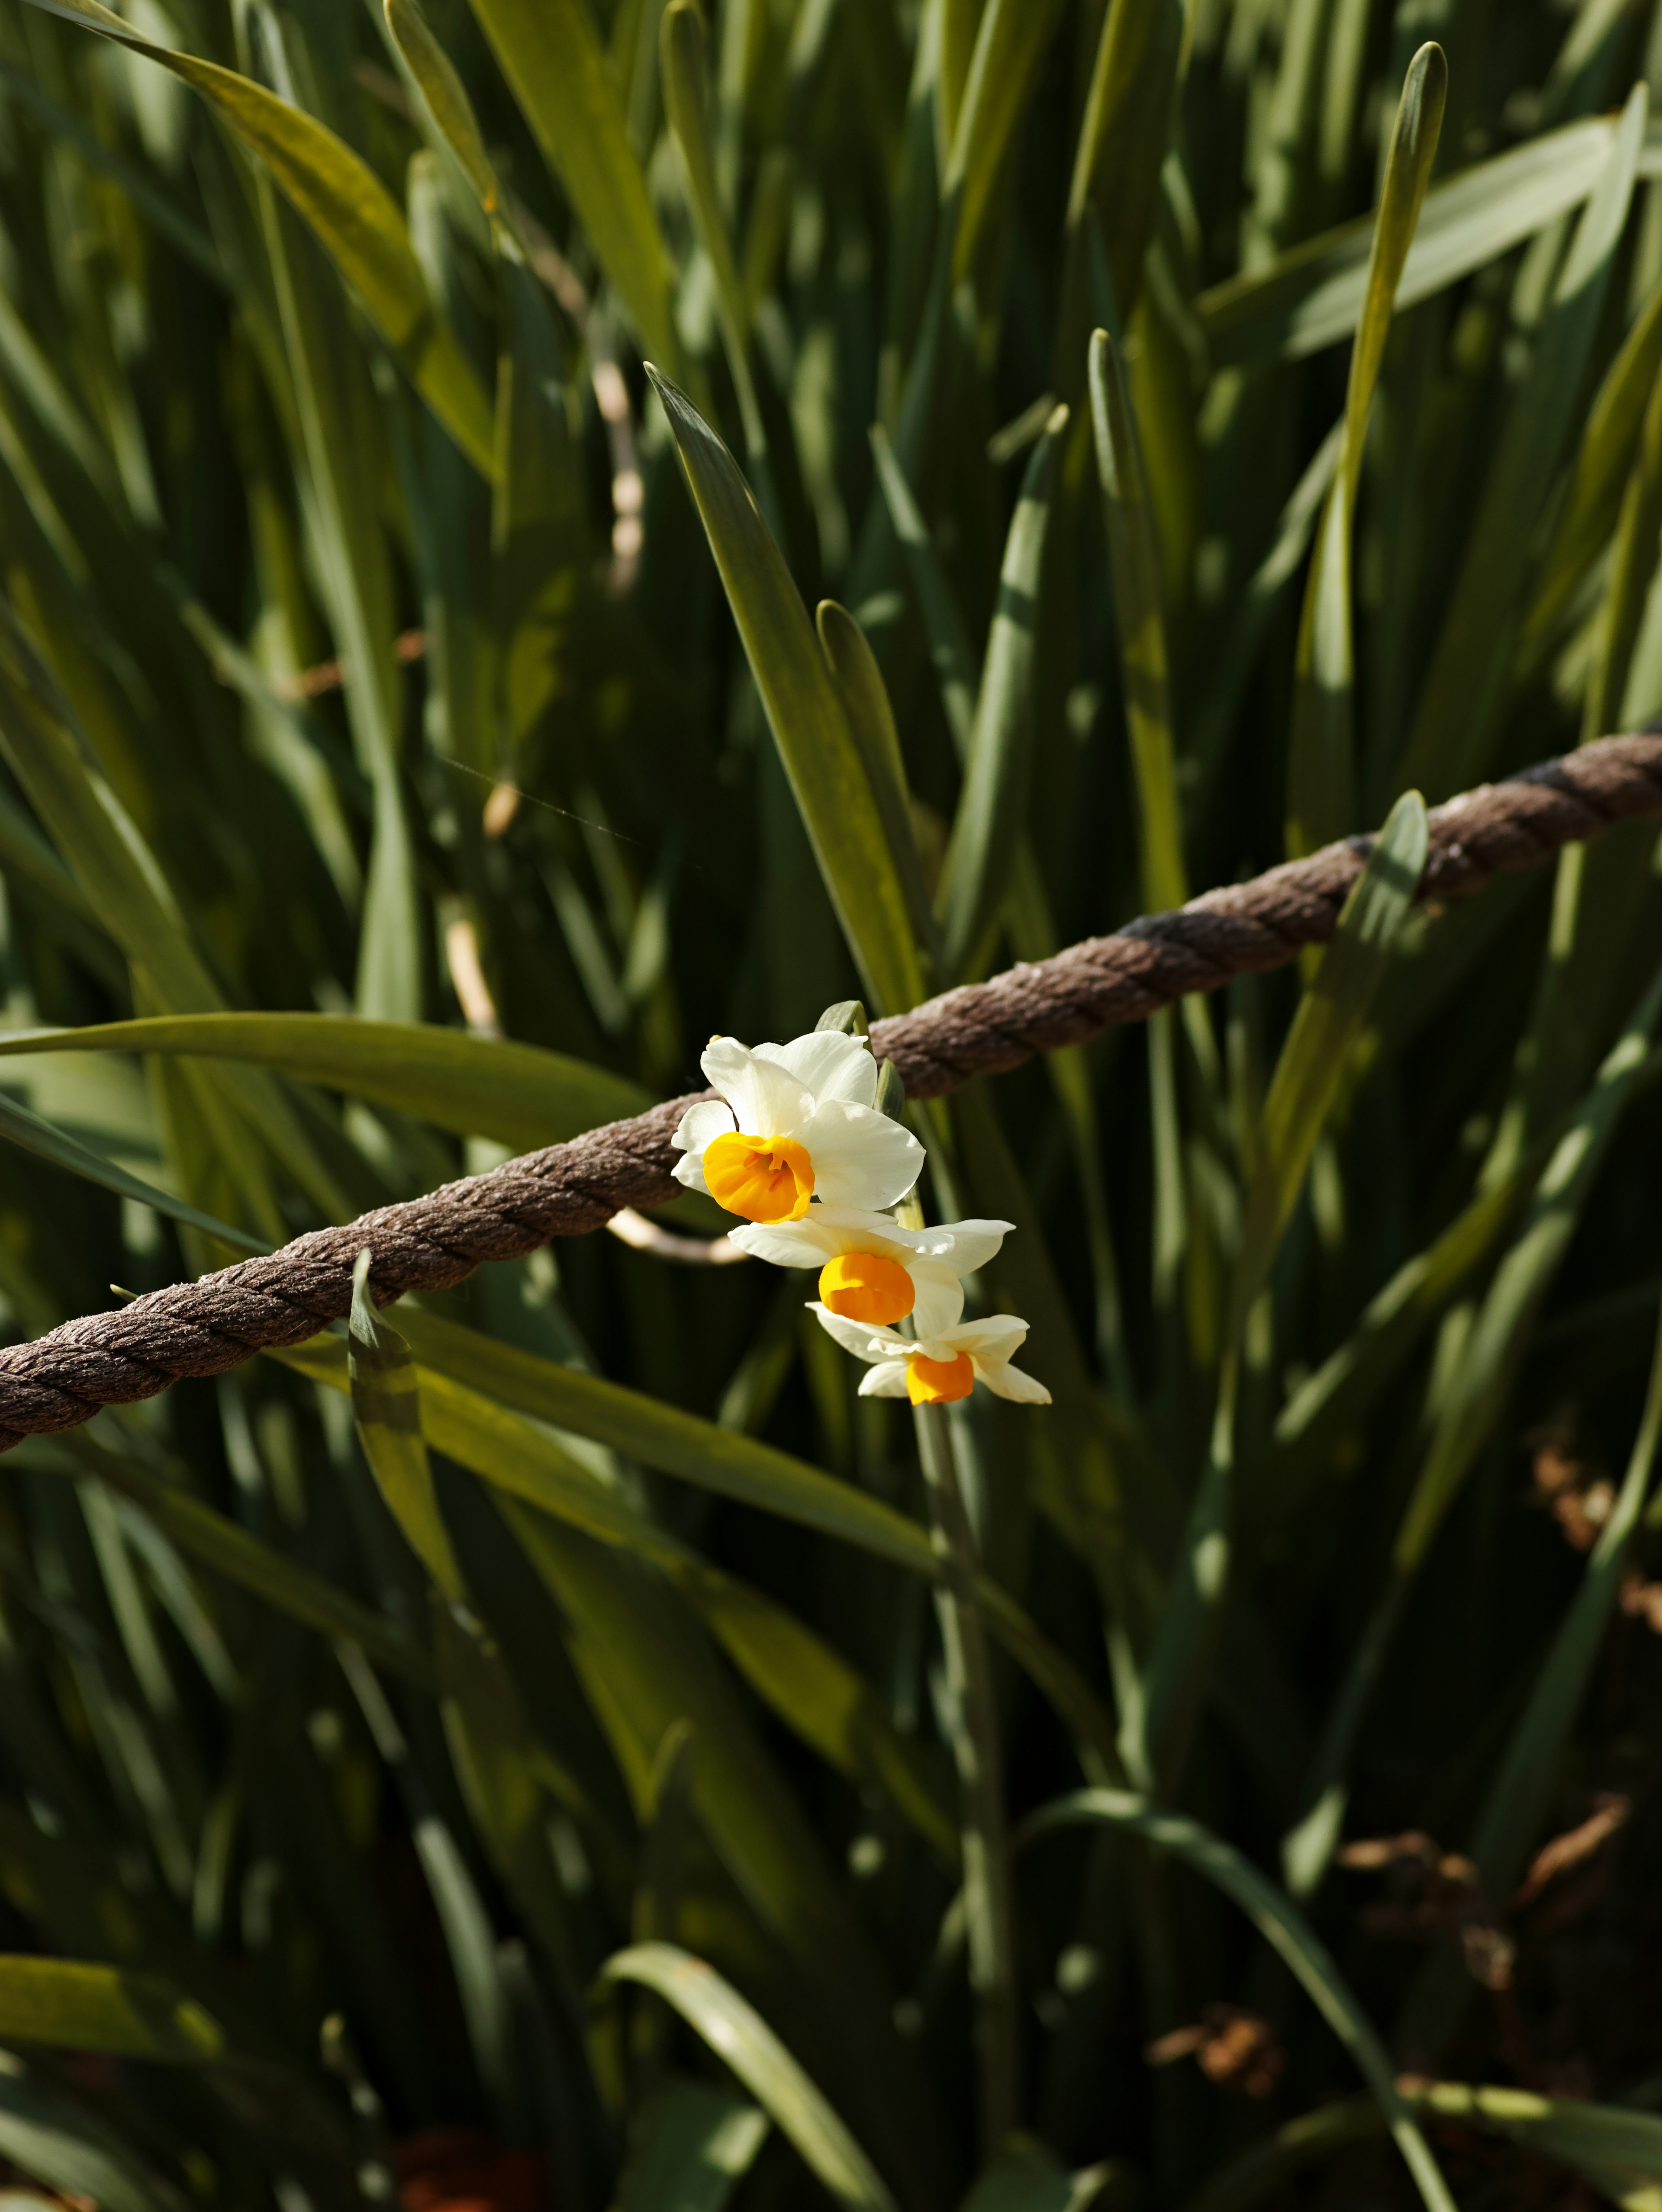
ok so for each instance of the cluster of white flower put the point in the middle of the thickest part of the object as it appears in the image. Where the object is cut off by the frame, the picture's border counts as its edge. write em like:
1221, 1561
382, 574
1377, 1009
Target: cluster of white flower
797, 1146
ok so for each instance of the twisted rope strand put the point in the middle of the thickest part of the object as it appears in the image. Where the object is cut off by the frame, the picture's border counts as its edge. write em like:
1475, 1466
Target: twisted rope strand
429, 1243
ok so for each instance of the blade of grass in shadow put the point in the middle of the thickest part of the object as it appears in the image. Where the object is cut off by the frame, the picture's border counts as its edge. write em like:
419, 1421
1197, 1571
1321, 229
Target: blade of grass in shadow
1283, 1927
1522, 1791
738, 2035
39, 1136
1321, 777
1449, 745
1471, 1399
992, 806
1307, 1081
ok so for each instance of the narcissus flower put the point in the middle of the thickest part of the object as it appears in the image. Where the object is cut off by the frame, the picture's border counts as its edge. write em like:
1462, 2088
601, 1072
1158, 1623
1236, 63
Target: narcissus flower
943, 1365
797, 1122
872, 1271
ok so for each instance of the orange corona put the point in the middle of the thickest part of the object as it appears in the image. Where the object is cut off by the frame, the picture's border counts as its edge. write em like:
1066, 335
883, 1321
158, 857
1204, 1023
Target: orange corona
764, 1178
866, 1286
939, 1381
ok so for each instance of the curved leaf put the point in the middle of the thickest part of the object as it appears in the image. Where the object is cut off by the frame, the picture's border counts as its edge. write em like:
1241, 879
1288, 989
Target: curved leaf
744, 2043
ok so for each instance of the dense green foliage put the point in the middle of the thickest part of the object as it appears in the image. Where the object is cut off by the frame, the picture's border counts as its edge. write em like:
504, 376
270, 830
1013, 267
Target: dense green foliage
590, 1773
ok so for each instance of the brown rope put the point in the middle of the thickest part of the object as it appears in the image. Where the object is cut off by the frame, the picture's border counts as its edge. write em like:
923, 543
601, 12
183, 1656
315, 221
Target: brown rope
205, 1328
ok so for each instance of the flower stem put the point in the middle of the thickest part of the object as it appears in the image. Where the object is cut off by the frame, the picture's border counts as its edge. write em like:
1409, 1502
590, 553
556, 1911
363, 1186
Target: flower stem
976, 1752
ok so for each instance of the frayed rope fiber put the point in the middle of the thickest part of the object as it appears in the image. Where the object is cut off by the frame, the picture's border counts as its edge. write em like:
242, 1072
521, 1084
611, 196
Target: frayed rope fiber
205, 1328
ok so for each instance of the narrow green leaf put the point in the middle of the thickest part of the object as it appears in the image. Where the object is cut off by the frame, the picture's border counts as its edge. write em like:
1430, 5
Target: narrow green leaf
957, 670
1123, 136
1283, 1927
242, 1558
865, 703
517, 1094
1618, 2151
820, 758
1011, 39
738, 2035
1448, 747
1522, 1789
1134, 573
75, 2007
556, 70
1328, 1022
446, 99
34, 1135
350, 210
387, 1403
1312, 295
992, 806
689, 2148
62, 2140
683, 66
1321, 780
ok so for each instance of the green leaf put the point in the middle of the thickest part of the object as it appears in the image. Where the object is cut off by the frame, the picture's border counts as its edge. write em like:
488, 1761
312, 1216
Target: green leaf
34, 1135
350, 210
1321, 781
1123, 136
865, 703
736, 2031
1448, 747
556, 70
1313, 295
242, 1558
689, 2148
92, 2008
57, 2138
445, 96
806, 1681
1134, 573
992, 806
820, 756
683, 68
1009, 49
386, 1404
1282, 1927
1329, 1020
517, 1094
1619, 2152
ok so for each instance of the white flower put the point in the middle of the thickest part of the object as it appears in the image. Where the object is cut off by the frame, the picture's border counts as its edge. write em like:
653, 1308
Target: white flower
872, 1271
945, 1364
799, 1121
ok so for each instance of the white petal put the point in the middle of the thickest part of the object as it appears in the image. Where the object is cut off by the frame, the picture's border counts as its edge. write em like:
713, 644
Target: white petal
860, 1158
1001, 1336
973, 1243
805, 1243
859, 1337
832, 1066
702, 1124
1009, 1382
766, 1100
690, 1169
888, 1381
940, 1296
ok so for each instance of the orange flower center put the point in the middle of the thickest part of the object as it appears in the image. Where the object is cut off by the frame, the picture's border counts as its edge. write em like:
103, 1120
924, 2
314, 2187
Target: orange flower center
938, 1382
866, 1286
764, 1178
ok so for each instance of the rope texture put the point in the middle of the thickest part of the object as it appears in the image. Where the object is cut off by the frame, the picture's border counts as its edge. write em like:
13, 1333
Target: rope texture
204, 1327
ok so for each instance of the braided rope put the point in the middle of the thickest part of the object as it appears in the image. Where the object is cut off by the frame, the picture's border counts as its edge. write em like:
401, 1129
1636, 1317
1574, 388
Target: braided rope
206, 1327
